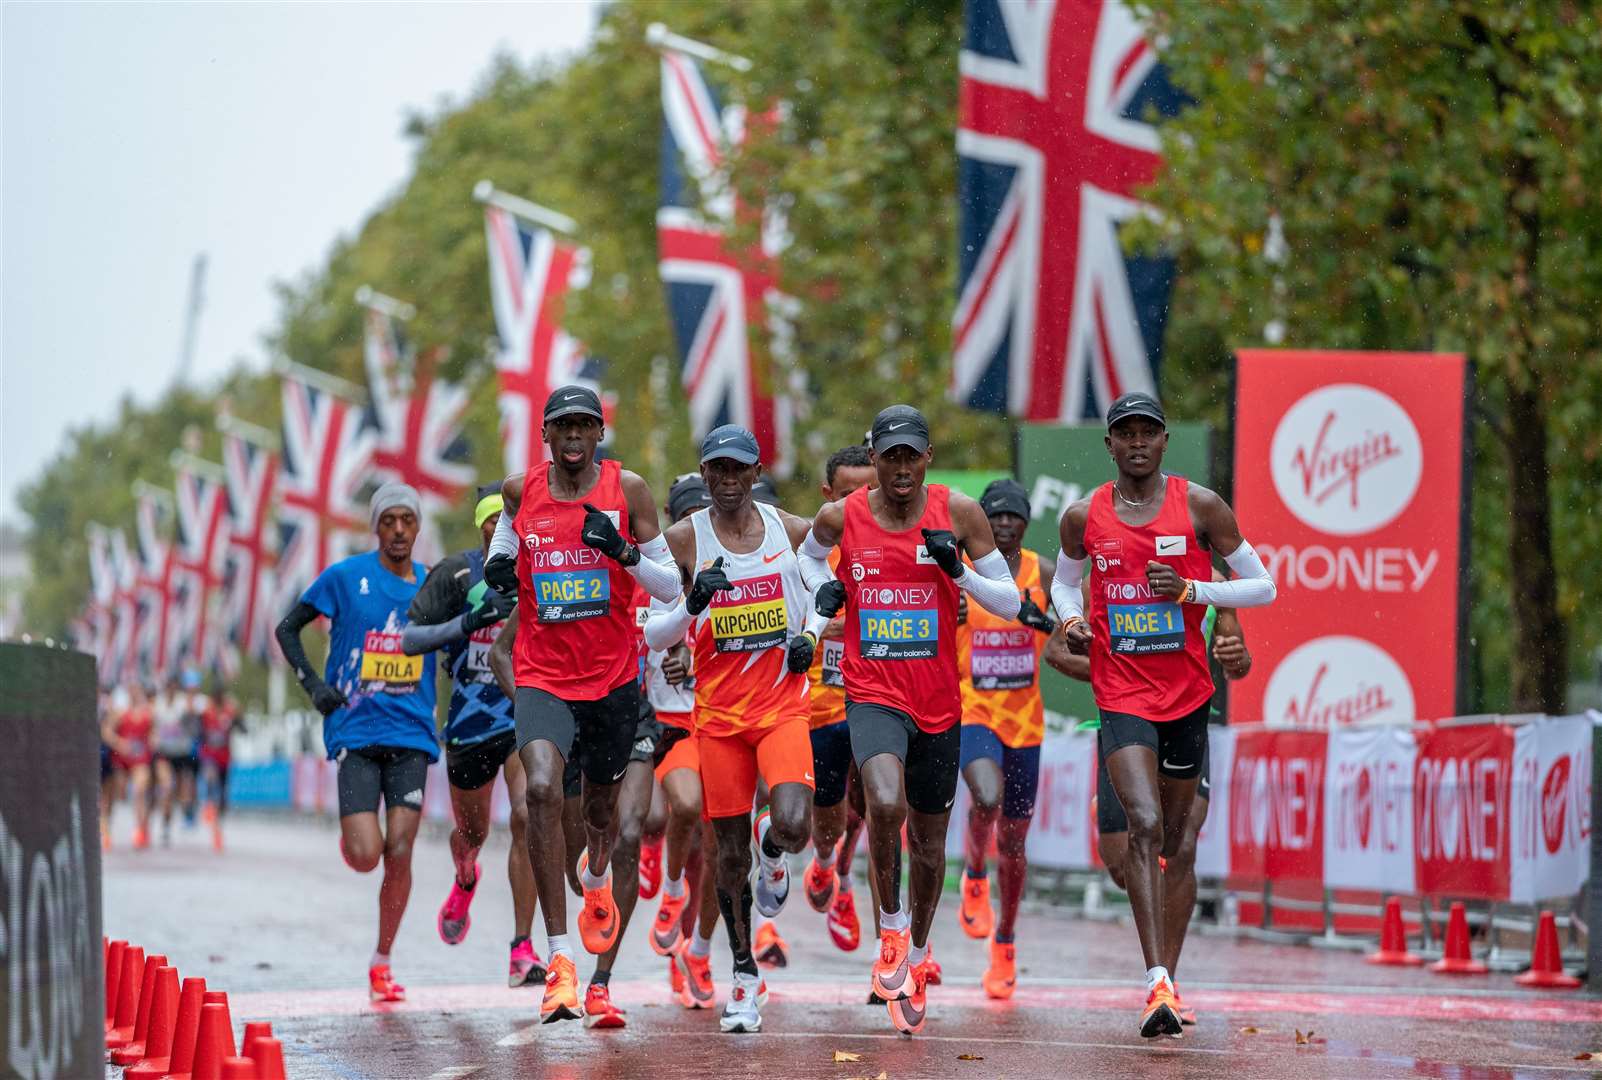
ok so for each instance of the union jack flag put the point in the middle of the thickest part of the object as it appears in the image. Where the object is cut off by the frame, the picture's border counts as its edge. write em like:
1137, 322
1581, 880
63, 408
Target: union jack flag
531, 272
328, 449
1053, 321
252, 473
157, 563
100, 612
419, 425
122, 647
715, 293
203, 522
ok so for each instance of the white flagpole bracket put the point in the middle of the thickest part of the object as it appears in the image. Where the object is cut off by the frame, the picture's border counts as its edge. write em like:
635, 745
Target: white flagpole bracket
184, 461
659, 36
486, 192
322, 380
144, 489
229, 424
369, 297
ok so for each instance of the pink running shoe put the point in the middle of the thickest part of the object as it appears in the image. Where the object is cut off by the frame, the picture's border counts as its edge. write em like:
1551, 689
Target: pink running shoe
525, 967
453, 917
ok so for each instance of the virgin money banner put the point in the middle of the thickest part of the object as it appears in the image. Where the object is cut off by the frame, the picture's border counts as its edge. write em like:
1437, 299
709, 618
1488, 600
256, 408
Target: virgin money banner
1368, 809
1212, 843
1062, 835
1551, 810
1276, 805
1462, 787
1348, 481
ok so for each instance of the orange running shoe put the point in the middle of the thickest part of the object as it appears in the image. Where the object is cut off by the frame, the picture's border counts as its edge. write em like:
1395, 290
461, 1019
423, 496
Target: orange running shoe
1160, 1017
1187, 1015
675, 981
931, 966
561, 991
599, 1012
650, 867
820, 884
975, 914
1001, 978
668, 929
141, 838
844, 926
381, 985
890, 971
907, 1013
598, 921
216, 838
769, 948
697, 971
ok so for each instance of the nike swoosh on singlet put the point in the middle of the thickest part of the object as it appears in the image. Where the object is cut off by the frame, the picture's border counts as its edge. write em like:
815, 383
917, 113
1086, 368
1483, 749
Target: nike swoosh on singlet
770, 558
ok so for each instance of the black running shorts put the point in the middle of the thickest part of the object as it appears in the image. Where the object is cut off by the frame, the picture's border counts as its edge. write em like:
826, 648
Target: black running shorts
599, 734
831, 763
929, 761
472, 766
398, 773
1110, 816
1178, 744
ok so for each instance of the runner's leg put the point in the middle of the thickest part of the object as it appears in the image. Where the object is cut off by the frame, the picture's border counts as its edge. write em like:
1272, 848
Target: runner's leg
1133, 770
400, 829
471, 812
519, 872
548, 857
633, 804
984, 780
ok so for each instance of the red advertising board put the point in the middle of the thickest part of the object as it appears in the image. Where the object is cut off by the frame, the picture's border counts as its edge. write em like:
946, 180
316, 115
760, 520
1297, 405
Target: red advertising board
1349, 482
1462, 825
1276, 806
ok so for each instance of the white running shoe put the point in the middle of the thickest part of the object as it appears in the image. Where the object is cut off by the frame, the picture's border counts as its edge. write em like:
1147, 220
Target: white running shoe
740, 1013
772, 886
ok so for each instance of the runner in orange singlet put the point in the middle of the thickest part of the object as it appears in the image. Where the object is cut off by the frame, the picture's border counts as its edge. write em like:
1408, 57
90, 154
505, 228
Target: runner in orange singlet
1145, 537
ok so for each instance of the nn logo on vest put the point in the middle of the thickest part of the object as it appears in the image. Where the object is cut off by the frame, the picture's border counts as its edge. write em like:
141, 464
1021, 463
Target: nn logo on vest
1346, 459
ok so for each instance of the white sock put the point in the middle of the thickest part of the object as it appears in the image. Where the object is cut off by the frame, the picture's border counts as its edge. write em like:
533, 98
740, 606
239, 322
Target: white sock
379, 959
591, 881
701, 946
758, 920
1154, 974
827, 860
894, 920
558, 944
674, 886
916, 953
671, 878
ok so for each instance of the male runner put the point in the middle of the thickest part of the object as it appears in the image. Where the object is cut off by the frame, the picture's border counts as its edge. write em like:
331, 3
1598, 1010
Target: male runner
835, 827
1222, 627
458, 612
377, 705
903, 543
747, 604
217, 725
1003, 723
1146, 536
563, 546
131, 744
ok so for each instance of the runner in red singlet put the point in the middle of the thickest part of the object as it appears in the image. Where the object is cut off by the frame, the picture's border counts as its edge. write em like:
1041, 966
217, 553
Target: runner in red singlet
1146, 537
562, 545
901, 547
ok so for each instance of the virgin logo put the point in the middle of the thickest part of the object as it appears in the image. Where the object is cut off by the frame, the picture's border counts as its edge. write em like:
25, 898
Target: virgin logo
1330, 682
1555, 803
1346, 459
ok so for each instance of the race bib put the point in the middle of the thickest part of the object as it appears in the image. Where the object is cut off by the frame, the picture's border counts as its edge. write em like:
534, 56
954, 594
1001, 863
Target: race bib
1138, 622
833, 653
1002, 659
385, 668
476, 661
898, 622
569, 583
749, 617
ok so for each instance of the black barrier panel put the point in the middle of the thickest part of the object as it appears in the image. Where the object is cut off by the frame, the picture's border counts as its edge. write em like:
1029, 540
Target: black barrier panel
52, 986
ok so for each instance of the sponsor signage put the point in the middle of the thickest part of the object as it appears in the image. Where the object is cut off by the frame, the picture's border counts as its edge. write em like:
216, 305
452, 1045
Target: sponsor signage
1349, 482
1368, 809
1275, 805
1462, 787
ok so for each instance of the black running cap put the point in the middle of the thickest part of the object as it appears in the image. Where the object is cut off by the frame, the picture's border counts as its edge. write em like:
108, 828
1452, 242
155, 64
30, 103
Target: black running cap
567, 400
687, 494
900, 425
1005, 496
1136, 403
765, 490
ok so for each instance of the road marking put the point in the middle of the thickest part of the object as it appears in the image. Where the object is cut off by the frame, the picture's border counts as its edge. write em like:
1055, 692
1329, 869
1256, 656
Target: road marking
522, 1036
457, 1072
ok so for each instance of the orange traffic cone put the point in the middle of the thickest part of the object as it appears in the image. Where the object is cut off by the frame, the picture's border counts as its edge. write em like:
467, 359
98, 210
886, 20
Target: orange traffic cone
1458, 960
133, 970
238, 1068
256, 1029
134, 1049
1393, 939
268, 1054
215, 1041
188, 1029
113, 978
160, 1027
1546, 961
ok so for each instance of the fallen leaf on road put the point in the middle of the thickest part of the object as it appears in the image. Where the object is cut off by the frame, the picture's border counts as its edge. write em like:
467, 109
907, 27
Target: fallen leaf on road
1303, 1040
969, 1057
1589, 1055
845, 1055
1248, 1031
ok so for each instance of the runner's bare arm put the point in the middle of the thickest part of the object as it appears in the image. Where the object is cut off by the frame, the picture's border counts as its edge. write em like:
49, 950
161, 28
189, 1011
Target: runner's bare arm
500, 561
643, 519
500, 657
1059, 656
796, 528
1216, 526
1067, 582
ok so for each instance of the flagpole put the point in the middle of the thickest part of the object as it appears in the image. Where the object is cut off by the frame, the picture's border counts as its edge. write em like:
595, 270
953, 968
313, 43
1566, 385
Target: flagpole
322, 380
659, 36
486, 192
229, 424
144, 489
184, 461
369, 297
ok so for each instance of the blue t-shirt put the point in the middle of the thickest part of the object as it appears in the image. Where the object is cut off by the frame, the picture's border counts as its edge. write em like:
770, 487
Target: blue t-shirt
391, 694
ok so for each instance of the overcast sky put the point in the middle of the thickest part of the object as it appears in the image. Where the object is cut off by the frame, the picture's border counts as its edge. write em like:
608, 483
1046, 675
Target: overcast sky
137, 135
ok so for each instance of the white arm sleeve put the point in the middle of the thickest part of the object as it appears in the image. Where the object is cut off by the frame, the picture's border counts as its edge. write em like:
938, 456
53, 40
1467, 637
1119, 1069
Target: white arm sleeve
655, 571
665, 626
814, 560
1253, 585
504, 542
1065, 586
989, 581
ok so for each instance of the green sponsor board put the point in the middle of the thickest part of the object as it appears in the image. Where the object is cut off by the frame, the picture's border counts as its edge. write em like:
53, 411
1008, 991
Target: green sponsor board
1060, 465
970, 482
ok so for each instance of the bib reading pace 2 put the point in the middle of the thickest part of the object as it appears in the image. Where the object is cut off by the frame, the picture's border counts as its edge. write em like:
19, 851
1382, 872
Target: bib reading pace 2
898, 622
569, 583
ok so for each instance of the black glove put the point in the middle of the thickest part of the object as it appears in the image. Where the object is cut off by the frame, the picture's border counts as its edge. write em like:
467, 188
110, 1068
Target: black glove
326, 699
708, 582
500, 571
600, 534
1030, 615
799, 656
829, 598
491, 609
942, 547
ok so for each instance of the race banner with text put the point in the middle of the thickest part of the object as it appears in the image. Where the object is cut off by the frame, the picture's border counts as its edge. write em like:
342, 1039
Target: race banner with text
1349, 482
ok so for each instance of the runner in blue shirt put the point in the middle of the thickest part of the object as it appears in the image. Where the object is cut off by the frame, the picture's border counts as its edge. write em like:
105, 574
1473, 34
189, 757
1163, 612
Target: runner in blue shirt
377, 705
457, 613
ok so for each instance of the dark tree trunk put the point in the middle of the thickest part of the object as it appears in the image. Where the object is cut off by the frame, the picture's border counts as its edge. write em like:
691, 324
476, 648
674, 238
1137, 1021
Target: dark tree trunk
1540, 641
